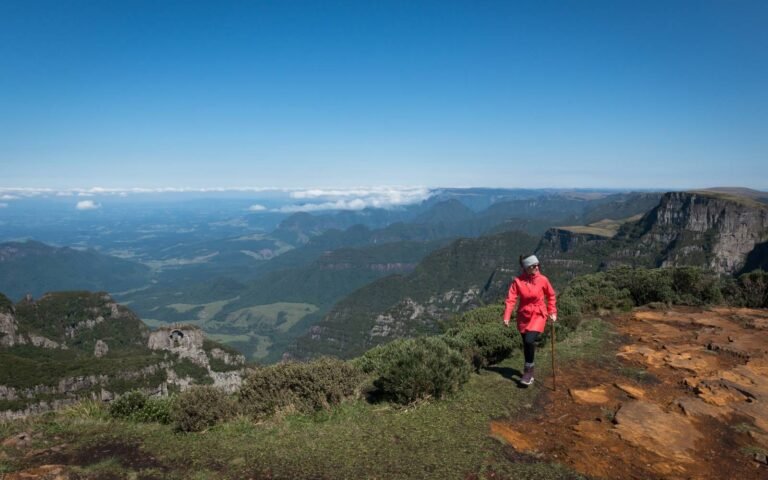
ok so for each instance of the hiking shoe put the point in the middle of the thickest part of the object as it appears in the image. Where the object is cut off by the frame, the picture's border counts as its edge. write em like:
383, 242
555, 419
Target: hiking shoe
527, 376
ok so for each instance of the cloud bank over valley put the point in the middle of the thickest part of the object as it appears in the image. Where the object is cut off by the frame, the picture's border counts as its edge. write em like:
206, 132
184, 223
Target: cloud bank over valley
262, 199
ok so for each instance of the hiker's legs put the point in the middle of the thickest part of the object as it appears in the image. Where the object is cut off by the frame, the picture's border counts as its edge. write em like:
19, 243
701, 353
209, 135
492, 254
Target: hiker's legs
529, 346
529, 350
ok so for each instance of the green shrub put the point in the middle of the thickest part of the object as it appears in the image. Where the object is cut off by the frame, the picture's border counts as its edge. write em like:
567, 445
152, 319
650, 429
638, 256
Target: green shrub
377, 359
644, 285
482, 315
731, 291
484, 344
299, 387
423, 368
678, 285
593, 293
138, 407
754, 288
127, 404
157, 409
694, 286
200, 407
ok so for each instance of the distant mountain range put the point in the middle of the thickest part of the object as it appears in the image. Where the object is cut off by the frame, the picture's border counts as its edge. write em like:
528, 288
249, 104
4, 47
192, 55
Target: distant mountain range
36, 268
260, 291
713, 230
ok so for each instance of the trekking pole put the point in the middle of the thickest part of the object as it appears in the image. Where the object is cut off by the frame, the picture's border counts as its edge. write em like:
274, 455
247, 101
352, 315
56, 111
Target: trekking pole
554, 382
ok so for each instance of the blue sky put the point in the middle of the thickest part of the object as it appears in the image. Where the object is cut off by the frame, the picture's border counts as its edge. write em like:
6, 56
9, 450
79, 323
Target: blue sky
299, 94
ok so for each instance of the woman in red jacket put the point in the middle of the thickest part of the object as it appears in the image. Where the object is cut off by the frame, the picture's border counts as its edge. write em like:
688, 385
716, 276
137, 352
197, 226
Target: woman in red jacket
531, 287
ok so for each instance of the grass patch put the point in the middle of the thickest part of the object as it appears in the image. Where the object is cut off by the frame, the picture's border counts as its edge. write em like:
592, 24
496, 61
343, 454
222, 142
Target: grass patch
280, 316
207, 310
228, 338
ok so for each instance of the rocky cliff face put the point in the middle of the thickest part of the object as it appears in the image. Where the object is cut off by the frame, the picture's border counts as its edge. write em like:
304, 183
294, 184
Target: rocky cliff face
713, 231
188, 342
566, 254
720, 233
43, 342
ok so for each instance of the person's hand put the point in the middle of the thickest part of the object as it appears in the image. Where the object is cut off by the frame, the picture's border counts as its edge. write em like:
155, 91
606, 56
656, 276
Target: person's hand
506, 323
553, 317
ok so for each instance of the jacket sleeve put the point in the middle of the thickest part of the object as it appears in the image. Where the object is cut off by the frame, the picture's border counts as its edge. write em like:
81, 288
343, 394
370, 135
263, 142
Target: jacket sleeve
511, 300
549, 292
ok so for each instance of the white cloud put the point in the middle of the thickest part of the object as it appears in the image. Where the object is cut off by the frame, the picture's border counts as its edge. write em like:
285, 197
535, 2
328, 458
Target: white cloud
357, 198
313, 199
87, 205
3, 205
8, 197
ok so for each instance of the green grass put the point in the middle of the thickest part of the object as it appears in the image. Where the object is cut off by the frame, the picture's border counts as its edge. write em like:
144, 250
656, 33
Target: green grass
227, 338
448, 439
281, 316
208, 311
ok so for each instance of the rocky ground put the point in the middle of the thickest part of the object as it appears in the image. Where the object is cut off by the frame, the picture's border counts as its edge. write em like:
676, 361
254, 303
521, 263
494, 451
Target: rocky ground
689, 399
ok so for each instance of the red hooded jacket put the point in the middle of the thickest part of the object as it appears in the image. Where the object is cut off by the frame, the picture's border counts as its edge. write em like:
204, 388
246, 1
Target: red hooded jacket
532, 312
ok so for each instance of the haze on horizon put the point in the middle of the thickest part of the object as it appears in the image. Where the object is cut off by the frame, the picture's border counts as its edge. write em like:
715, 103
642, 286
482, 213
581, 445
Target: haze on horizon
342, 94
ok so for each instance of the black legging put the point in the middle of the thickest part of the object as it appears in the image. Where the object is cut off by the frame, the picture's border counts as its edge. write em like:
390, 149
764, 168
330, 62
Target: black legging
529, 345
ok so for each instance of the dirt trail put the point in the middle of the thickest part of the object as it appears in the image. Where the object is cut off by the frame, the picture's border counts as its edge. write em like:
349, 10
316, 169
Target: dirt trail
689, 400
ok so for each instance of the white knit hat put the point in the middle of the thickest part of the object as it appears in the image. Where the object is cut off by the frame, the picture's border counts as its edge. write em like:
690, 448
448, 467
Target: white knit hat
530, 260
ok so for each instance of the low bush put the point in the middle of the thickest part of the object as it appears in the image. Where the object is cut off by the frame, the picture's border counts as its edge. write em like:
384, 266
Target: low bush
624, 287
138, 407
479, 316
377, 359
299, 387
591, 294
423, 368
484, 344
643, 285
753, 287
127, 404
694, 286
200, 407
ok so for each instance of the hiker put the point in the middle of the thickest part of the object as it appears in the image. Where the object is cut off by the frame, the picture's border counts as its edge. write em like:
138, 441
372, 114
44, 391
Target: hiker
531, 287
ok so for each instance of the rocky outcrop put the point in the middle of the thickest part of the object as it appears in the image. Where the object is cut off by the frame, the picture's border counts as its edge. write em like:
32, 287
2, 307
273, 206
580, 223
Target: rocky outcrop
70, 321
100, 349
70, 390
227, 357
715, 232
564, 240
184, 340
9, 335
72, 330
187, 342
8, 331
566, 254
